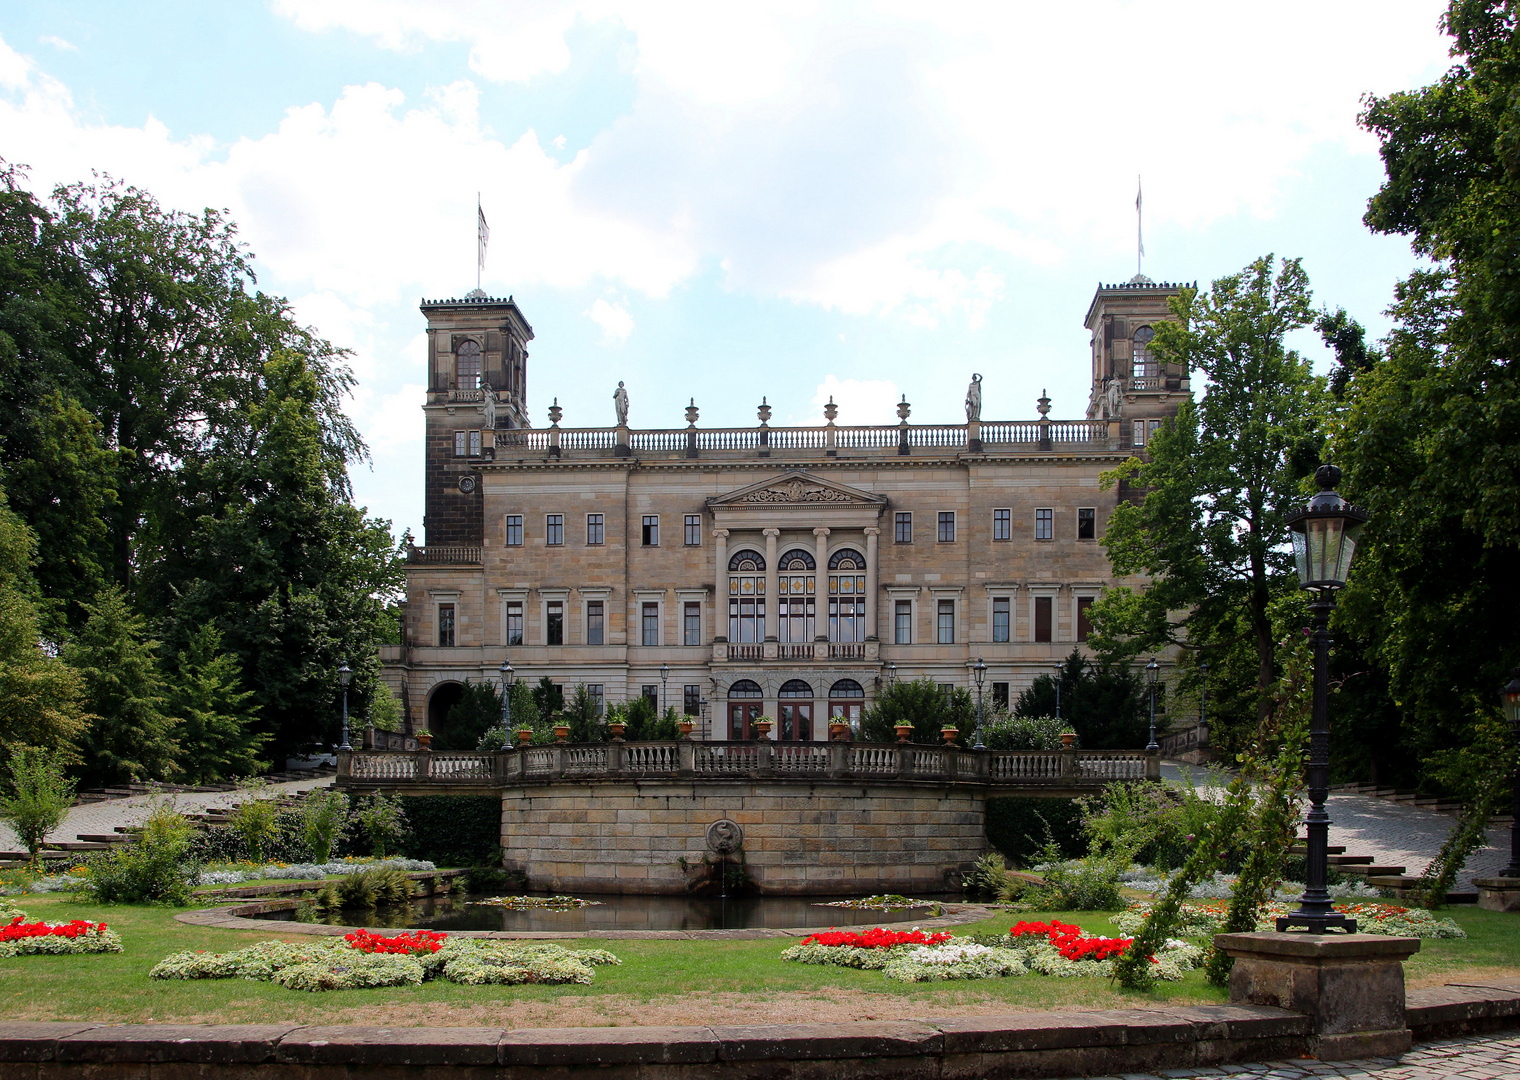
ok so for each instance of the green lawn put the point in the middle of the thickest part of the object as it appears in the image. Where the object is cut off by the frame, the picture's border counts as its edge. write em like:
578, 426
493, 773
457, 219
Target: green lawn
663, 982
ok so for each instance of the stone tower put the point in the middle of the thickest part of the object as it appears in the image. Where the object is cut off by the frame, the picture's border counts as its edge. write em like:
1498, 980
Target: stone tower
1127, 384
477, 385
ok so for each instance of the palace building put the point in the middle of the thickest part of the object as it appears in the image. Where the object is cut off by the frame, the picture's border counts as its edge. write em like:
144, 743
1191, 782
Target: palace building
734, 573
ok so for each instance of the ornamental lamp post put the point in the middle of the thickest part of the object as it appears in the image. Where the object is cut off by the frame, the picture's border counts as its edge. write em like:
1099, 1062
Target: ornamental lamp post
891, 673
345, 676
1152, 673
979, 671
508, 678
1512, 714
1324, 540
1060, 670
664, 675
1203, 706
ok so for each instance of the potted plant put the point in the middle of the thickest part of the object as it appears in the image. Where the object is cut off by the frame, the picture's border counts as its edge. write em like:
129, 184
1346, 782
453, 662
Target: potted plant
424, 738
561, 732
839, 731
524, 736
949, 733
762, 727
904, 732
615, 729
686, 727
1068, 738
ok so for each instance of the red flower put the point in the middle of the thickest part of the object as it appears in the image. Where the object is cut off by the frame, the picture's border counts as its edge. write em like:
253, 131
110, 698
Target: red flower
875, 938
18, 930
409, 943
1072, 942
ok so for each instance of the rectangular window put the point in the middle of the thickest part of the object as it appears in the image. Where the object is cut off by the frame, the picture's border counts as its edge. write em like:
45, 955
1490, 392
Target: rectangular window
554, 529
691, 699
595, 525
513, 536
947, 526
595, 621
446, 626
1002, 524
1000, 695
904, 623
1138, 429
514, 622
554, 623
947, 622
461, 443
1087, 523
474, 444
902, 531
1084, 617
693, 530
651, 692
1151, 427
1001, 606
598, 698
1044, 524
1042, 610
651, 634
651, 530
691, 623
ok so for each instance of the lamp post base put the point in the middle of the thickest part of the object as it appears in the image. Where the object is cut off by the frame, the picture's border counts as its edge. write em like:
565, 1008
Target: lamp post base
1500, 893
1316, 922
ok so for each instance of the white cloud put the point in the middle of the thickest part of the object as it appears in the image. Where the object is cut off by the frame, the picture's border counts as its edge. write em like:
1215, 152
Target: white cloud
860, 401
58, 43
614, 320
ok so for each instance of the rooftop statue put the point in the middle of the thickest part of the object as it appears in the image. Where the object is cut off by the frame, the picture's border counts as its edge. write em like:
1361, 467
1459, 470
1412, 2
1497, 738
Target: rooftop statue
620, 399
974, 400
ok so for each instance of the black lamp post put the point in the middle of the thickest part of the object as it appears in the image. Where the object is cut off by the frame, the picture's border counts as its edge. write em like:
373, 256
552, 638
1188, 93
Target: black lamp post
1512, 714
1203, 699
979, 670
1152, 673
664, 697
891, 673
345, 676
1060, 669
508, 677
1324, 540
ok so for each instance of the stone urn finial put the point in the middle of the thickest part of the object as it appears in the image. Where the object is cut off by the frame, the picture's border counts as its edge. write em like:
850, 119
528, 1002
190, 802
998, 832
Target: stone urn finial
830, 410
1044, 405
555, 412
764, 412
903, 409
691, 413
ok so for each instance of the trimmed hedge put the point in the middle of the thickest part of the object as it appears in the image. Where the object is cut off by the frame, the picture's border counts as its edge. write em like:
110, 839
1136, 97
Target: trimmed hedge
1016, 827
453, 830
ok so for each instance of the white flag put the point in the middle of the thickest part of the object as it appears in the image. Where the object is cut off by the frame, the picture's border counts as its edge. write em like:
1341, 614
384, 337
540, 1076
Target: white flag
483, 235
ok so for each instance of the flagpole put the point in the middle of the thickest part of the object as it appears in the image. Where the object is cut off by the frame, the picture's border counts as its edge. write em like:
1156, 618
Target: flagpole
478, 214
1139, 228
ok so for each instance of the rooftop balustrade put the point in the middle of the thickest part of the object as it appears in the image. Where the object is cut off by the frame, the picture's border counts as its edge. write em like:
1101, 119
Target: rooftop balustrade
690, 759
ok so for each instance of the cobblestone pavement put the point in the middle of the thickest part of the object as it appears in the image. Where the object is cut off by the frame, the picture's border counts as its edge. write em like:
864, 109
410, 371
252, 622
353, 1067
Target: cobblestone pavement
104, 816
1476, 1058
1395, 834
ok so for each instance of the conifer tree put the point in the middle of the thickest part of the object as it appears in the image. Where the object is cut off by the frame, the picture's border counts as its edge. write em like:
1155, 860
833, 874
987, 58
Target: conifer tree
216, 730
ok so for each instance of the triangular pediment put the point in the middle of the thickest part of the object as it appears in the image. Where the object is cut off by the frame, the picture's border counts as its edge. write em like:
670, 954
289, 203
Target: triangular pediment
797, 488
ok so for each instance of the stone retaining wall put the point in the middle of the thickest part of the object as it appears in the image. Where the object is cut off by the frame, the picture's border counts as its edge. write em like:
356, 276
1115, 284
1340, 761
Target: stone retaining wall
816, 838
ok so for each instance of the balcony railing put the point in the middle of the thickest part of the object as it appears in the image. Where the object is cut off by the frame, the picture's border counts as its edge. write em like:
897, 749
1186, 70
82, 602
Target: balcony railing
444, 555
690, 758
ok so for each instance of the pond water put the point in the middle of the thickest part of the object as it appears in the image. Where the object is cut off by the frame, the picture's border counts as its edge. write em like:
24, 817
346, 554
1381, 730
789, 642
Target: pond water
615, 912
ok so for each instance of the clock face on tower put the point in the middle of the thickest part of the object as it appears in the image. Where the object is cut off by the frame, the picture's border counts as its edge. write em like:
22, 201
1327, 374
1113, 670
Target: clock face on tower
466, 484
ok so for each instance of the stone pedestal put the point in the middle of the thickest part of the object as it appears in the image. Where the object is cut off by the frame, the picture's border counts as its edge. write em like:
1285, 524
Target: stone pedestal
1498, 893
1351, 986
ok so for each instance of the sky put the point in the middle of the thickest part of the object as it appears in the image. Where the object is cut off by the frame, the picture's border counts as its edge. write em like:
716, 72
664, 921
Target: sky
719, 202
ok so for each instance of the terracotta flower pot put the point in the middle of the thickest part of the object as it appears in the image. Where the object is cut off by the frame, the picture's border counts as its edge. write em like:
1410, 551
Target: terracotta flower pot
561, 732
762, 728
616, 729
949, 734
425, 741
524, 736
904, 732
685, 727
1068, 738
838, 730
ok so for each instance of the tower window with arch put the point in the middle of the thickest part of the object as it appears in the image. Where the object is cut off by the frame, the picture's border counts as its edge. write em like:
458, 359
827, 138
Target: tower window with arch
746, 597
847, 596
1144, 364
467, 366
796, 596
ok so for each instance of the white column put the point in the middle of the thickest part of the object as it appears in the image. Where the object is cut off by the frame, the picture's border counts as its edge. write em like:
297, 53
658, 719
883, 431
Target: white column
720, 583
821, 584
770, 585
871, 543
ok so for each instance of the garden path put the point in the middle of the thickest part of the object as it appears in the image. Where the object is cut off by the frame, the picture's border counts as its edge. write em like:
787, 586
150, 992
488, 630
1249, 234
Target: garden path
1395, 834
103, 817
1474, 1058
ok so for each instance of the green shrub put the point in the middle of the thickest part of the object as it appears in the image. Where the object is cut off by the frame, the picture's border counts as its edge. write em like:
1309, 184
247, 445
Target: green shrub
383, 822
324, 817
42, 796
453, 830
255, 821
1016, 827
987, 877
1003, 730
156, 868
924, 704
1090, 884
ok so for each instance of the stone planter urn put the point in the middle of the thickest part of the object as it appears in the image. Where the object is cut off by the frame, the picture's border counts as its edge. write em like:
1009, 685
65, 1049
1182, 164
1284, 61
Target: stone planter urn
425, 739
616, 729
524, 736
1068, 738
949, 734
561, 732
685, 727
839, 731
762, 728
904, 732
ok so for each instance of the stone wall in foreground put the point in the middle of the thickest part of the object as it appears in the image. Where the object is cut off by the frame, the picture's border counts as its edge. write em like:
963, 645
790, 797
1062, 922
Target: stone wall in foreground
820, 837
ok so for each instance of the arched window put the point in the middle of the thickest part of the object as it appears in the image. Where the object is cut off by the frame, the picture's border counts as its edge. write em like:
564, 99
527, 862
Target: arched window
796, 597
745, 688
847, 596
846, 703
794, 688
795, 712
743, 708
467, 366
1144, 367
846, 688
746, 597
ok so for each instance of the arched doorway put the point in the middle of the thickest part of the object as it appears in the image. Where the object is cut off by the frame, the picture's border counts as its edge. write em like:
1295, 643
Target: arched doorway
846, 702
744, 707
443, 697
795, 712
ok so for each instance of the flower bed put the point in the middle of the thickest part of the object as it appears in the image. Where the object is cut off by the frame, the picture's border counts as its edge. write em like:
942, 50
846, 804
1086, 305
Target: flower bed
362, 960
237, 873
959, 960
1204, 919
881, 902
21, 938
849, 948
532, 903
1222, 886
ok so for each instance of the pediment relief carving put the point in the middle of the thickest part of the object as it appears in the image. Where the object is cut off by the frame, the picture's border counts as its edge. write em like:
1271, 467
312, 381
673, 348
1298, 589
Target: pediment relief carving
798, 489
